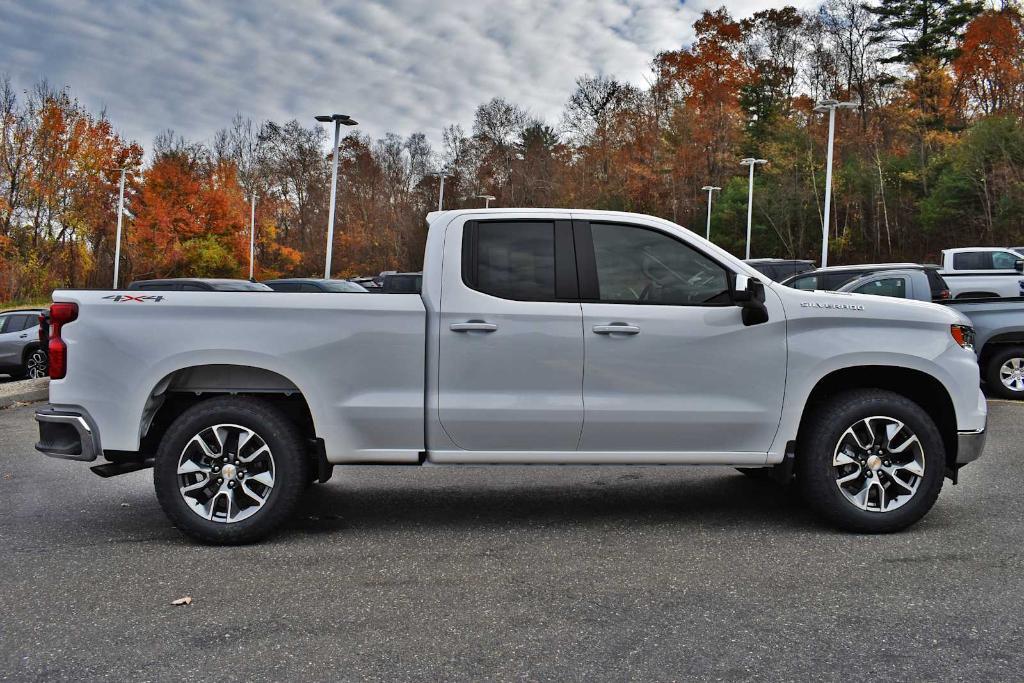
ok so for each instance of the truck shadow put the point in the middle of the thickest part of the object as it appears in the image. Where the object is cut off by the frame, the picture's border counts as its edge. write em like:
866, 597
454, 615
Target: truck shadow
653, 497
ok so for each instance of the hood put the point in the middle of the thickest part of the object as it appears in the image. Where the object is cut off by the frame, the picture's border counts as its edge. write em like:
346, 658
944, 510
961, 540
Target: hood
800, 303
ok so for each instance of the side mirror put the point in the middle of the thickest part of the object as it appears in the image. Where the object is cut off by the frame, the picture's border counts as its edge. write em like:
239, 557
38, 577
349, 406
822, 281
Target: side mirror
748, 294
1019, 265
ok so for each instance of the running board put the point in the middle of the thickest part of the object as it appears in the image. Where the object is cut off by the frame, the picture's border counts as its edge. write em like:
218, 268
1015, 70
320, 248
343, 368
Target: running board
113, 469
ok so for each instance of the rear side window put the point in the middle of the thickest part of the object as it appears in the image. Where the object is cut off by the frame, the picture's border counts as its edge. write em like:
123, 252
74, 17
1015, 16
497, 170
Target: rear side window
833, 281
29, 321
973, 260
889, 286
935, 283
511, 260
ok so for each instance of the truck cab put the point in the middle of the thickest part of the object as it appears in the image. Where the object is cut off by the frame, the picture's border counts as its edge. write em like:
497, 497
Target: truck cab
983, 272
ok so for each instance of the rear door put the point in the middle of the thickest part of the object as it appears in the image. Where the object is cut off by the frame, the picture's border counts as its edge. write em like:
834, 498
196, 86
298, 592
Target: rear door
510, 348
14, 337
670, 366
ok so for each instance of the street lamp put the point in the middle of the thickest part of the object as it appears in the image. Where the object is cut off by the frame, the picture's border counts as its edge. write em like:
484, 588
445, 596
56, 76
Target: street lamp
339, 120
751, 162
120, 220
709, 189
252, 239
487, 198
829, 106
440, 197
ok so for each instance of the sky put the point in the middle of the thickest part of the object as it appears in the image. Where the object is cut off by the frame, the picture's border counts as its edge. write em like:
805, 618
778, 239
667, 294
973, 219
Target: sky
399, 66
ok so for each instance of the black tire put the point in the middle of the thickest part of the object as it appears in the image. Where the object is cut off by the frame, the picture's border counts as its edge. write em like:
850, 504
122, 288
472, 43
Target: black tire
820, 438
35, 363
992, 371
290, 462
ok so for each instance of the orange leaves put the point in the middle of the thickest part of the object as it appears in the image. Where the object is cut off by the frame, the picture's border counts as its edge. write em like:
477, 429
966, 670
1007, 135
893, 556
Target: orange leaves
184, 209
990, 67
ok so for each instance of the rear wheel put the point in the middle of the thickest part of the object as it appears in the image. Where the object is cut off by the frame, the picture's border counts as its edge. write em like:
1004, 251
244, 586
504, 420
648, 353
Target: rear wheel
871, 461
36, 364
230, 470
1004, 373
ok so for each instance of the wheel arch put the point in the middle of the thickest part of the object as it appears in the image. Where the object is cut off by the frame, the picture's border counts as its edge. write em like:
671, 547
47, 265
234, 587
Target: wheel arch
186, 386
916, 385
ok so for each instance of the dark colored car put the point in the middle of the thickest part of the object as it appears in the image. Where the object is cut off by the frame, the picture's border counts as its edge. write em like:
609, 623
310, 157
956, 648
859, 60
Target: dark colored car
779, 269
308, 284
832, 278
181, 284
402, 283
21, 352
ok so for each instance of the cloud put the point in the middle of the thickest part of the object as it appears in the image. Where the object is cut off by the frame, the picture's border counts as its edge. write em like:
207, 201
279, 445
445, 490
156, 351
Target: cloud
400, 65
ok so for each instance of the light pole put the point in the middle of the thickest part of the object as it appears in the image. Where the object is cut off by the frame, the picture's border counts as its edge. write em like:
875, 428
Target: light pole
829, 106
709, 189
252, 240
338, 119
120, 220
440, 197
487, 198
751, 162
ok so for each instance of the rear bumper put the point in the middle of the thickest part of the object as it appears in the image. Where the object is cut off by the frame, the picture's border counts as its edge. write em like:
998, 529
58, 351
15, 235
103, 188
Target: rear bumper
67, 433
969, 446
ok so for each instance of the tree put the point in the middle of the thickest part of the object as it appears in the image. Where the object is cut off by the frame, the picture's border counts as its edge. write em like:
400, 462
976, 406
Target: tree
989, 70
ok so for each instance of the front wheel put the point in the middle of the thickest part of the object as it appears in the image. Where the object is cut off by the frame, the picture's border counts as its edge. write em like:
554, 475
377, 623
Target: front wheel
870, 461
1004, 373
230, 470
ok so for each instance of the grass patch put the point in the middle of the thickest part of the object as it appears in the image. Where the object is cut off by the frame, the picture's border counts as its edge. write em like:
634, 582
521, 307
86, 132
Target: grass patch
26, 303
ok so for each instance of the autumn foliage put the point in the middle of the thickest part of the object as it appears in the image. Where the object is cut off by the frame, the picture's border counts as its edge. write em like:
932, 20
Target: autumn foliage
933, 157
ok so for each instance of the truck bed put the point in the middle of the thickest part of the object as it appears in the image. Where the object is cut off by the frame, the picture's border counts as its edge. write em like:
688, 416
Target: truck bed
357, 360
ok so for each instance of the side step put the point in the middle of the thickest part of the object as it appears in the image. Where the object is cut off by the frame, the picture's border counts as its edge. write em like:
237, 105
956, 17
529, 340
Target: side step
113, 469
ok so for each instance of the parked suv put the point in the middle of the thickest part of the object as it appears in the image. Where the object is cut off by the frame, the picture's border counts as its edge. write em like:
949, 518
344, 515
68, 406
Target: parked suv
922, 285
831, 279
21, 354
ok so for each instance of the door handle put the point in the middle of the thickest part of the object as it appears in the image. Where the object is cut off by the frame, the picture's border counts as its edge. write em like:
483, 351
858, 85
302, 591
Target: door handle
473, 326
22, 336
616, 328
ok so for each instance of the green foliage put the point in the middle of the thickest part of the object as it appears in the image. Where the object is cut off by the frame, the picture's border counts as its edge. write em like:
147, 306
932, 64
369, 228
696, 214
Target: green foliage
207, 257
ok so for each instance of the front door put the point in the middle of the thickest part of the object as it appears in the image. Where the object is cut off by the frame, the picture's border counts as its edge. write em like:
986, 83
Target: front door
511, 342
670, 366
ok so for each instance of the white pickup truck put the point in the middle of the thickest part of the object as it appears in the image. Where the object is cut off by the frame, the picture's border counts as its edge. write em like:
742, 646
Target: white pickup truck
983, 272
541, 337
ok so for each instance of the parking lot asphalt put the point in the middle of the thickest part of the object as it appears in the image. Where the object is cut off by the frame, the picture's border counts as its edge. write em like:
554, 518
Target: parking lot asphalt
510, 573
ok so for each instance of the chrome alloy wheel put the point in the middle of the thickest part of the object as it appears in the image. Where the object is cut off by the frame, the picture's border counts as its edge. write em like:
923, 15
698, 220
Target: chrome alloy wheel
878, 464
226, 473
1011, 374
36, 365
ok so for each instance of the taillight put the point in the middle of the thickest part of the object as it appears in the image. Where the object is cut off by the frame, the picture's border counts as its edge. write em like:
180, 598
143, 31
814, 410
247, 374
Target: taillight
963, 335
944, 294
60, 315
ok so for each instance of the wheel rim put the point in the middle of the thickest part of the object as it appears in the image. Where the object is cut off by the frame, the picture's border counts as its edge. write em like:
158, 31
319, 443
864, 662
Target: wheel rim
36, 365
1011, 374
878, 464
226, 473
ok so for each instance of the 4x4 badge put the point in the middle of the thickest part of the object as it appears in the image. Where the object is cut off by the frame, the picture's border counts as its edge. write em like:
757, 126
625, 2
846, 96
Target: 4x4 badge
130, 297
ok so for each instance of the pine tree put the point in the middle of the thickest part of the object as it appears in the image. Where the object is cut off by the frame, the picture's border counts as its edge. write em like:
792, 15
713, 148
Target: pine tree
921, 30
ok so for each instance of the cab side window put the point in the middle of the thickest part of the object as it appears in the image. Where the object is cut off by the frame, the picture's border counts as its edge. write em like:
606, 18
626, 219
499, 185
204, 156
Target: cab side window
636, 265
